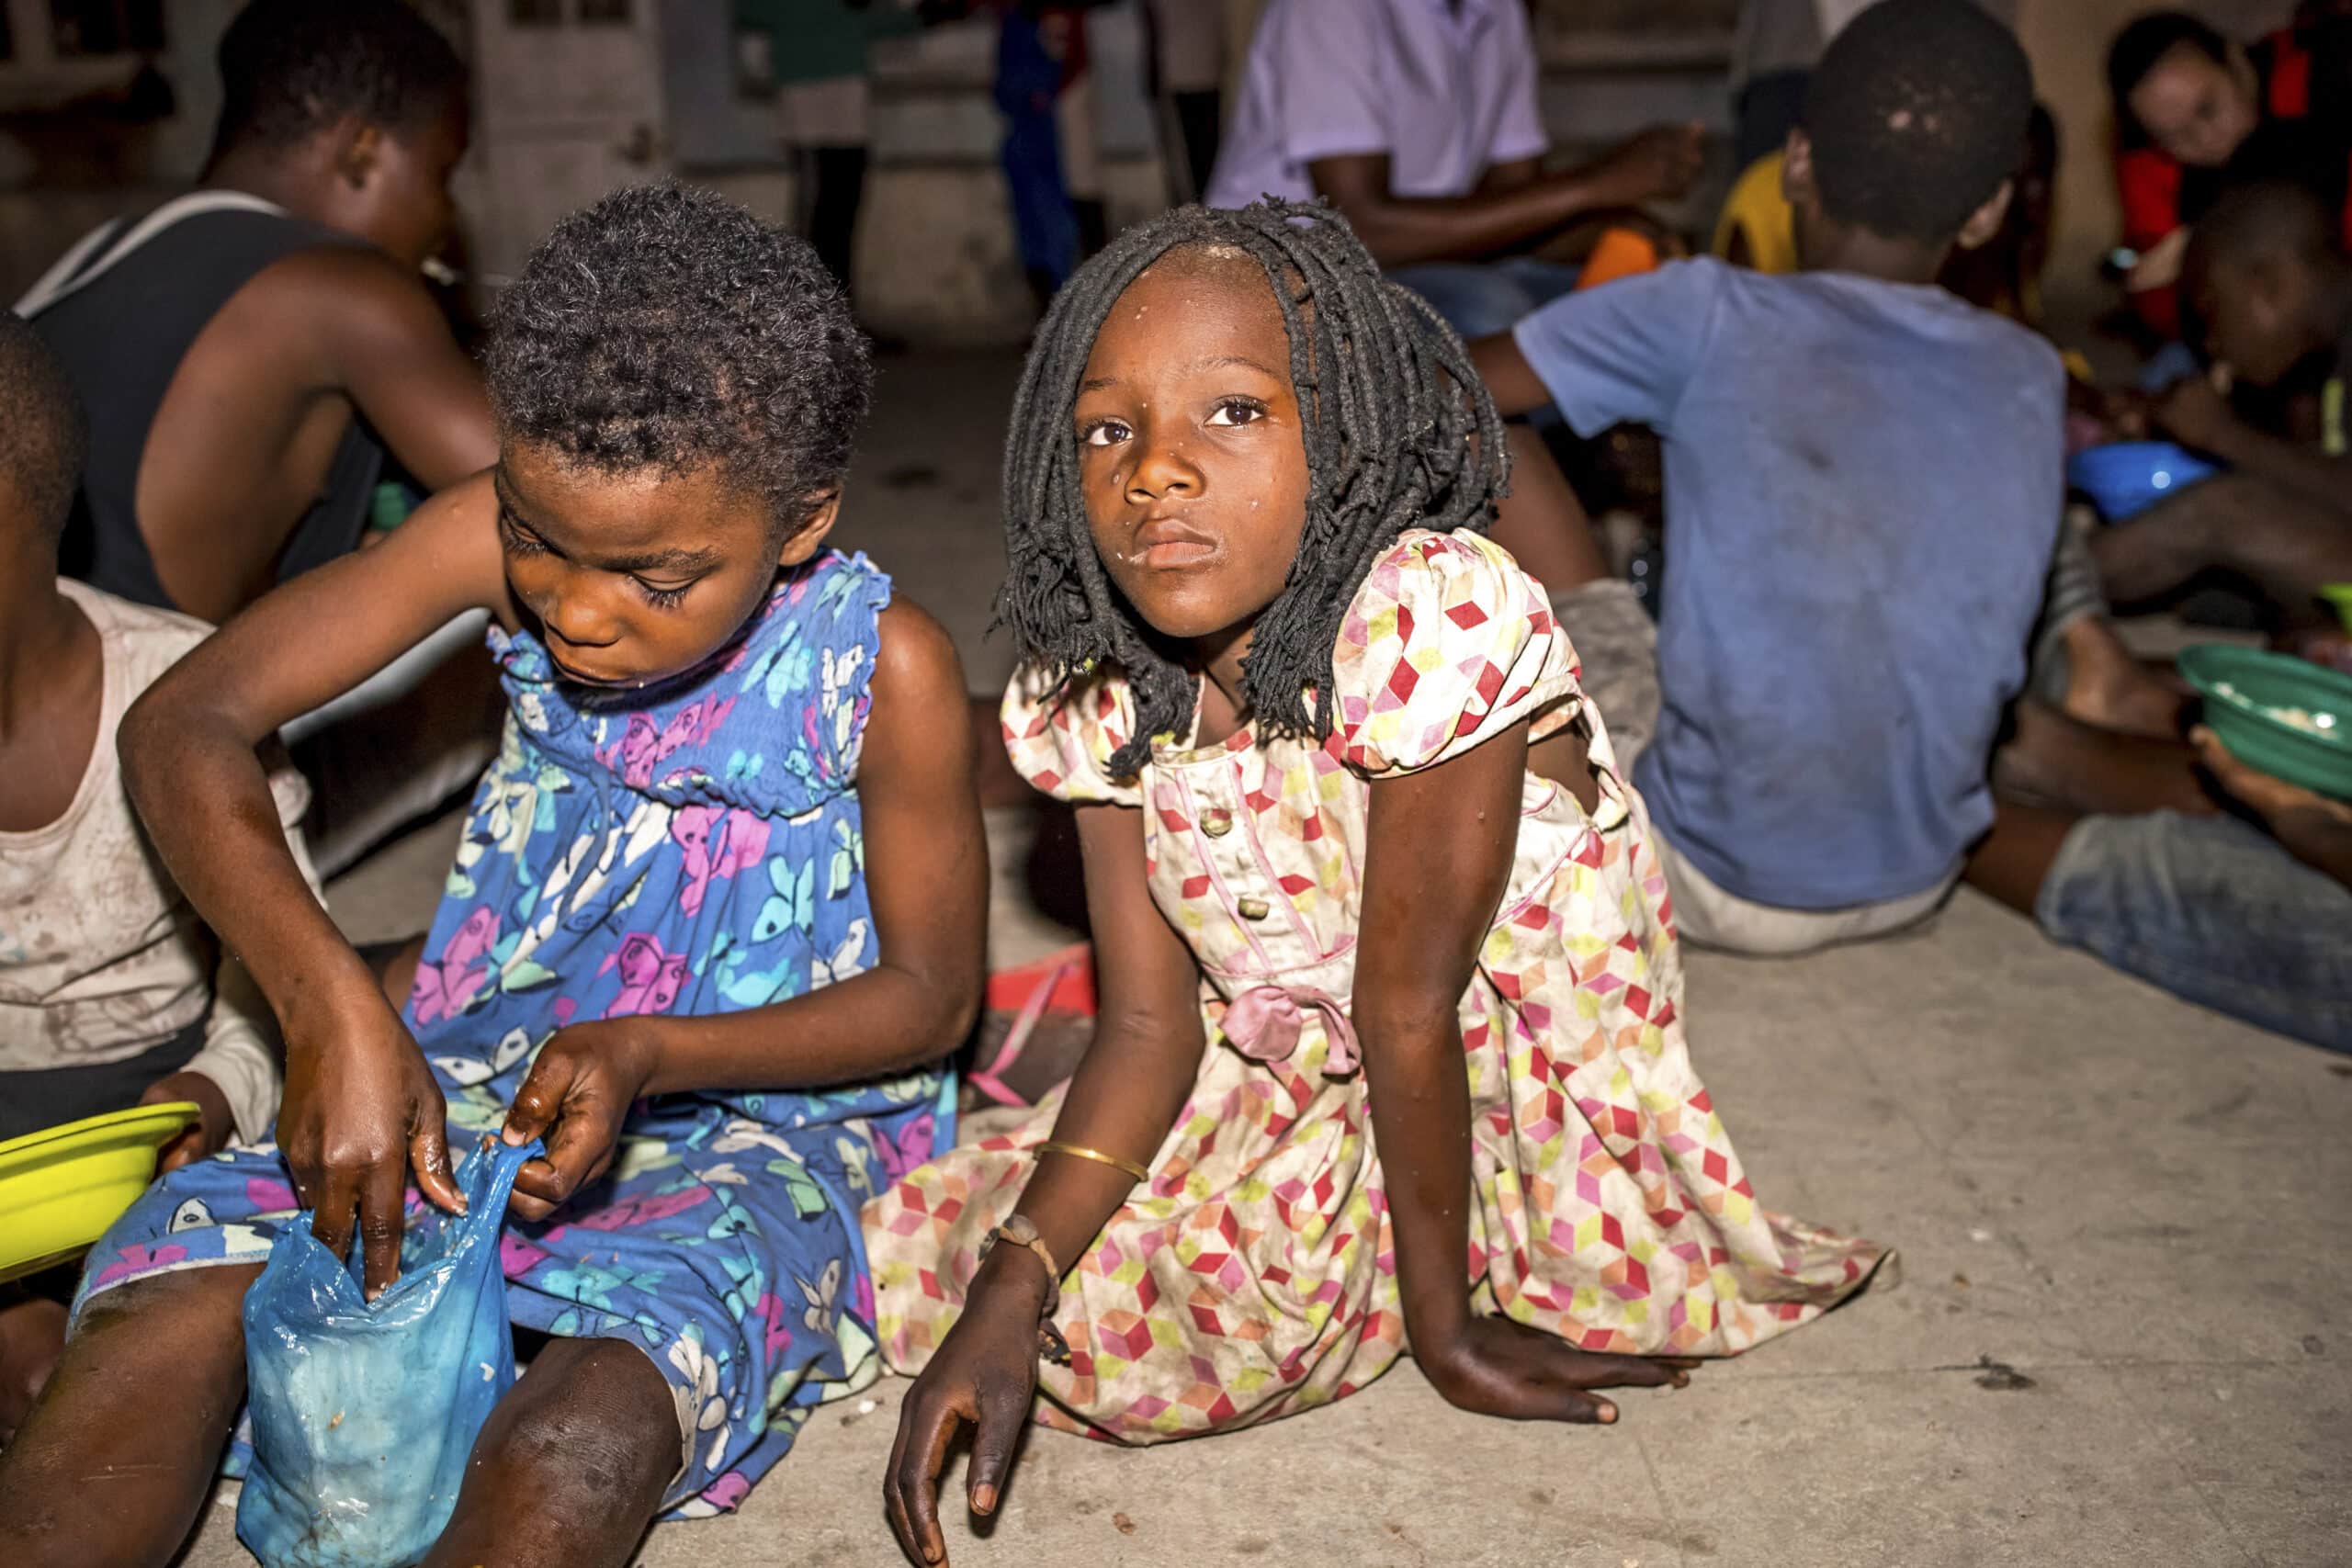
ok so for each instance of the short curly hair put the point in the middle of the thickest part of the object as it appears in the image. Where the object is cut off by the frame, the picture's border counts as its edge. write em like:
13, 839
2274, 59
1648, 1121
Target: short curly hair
290, 68
667, 328
1916, 114
48, 435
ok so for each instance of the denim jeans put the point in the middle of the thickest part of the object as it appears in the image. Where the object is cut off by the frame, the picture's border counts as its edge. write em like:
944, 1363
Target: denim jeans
1480, 298
2213, 911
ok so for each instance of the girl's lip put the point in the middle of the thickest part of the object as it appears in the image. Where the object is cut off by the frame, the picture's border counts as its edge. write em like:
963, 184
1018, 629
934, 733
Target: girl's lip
1175, 553
582, 677
1164, 543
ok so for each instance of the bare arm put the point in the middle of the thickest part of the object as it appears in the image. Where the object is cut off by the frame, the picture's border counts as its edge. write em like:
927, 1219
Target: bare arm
926, 858
1510, 378
2195, 412
1148, 1039
1441, 842
189, 745
927, 874
1438, 856
388, 345
189, 761
1514, 205
2289, 465
1126, 1095
1513, 176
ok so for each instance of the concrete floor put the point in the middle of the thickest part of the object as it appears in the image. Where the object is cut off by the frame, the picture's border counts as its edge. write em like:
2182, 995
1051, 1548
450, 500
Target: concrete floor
2121, 1339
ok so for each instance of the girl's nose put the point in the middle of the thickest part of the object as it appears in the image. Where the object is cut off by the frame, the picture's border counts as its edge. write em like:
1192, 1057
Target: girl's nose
575, 620
1163, 470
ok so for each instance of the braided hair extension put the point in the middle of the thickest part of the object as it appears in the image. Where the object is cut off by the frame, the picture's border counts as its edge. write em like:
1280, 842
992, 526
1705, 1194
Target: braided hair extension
1389, 407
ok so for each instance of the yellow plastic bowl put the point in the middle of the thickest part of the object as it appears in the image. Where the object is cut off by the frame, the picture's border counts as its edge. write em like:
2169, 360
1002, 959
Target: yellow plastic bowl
62, 1187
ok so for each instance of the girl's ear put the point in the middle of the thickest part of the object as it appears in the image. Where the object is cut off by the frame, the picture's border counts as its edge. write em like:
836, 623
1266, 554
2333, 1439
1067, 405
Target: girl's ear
806, 539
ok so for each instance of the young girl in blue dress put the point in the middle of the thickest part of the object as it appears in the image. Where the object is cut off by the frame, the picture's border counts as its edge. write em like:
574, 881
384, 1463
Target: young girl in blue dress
716, 915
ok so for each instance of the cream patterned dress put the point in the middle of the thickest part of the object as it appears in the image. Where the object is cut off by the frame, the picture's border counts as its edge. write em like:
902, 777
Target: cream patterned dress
1255, 1277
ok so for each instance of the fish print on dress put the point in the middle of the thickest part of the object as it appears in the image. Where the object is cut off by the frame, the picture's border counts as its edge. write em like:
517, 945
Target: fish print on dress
692, 850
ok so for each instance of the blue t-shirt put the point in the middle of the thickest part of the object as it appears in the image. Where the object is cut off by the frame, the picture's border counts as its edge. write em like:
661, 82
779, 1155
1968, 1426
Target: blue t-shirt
1863, 488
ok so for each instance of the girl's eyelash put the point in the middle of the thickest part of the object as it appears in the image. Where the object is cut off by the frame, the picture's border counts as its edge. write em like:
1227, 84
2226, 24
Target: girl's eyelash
1251, 405
521, 542
663, 598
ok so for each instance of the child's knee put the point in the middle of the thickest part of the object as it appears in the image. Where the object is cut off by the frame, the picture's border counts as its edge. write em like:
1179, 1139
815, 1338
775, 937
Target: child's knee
592, 1416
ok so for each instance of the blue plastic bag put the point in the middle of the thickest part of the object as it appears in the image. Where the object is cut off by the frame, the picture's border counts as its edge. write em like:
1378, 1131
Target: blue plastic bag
364, 1412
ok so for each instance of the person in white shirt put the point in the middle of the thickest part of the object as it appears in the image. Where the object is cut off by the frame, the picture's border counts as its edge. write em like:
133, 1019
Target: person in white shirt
112, 992
1419, 120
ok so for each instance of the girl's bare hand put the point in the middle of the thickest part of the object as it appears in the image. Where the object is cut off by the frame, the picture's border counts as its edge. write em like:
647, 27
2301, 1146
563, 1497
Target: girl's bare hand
577, 1096
1496, 1367
362, 1111
984, 1375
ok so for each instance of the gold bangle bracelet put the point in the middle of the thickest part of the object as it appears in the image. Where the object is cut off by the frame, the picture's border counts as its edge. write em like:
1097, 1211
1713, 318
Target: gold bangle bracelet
1139, 1172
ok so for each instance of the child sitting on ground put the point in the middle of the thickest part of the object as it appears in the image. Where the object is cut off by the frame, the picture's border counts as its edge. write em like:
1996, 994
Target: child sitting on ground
112, 992
254, 353
1863, 489
1391, 1046
715, 919
2243, 912
2271, 294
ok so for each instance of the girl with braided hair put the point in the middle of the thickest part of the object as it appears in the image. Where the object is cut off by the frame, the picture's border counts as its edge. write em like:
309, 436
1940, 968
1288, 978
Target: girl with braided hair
1391, 1043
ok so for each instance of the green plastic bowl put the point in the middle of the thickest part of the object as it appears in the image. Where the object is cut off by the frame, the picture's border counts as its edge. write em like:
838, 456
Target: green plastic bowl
2243, 685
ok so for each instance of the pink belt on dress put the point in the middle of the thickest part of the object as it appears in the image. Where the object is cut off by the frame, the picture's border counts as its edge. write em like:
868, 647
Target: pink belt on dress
1263, 1024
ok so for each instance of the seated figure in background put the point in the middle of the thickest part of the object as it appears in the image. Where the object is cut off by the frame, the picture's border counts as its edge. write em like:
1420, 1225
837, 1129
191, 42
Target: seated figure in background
2270, 294
1418, 122
251, 353
1863, 491
112, 992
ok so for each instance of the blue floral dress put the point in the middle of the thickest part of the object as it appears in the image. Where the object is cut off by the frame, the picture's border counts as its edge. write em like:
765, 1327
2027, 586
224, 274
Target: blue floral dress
695, 849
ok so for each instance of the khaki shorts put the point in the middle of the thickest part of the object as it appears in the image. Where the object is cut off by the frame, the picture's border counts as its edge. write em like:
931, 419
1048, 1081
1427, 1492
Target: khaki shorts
1707, 916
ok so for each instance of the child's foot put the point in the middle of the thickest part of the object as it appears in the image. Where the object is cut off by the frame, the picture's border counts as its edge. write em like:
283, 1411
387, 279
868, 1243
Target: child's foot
2108, 689
32, 1337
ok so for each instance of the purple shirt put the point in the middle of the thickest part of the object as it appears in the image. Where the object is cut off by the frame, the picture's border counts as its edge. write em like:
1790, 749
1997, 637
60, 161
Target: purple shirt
1445, 93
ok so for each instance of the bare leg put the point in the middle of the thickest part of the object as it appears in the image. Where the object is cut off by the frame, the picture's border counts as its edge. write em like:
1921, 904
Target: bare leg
570, 1466
2010, 863
1542, 523
2286, 545
2060, 763
117, 1456
2106, 687
32, 1337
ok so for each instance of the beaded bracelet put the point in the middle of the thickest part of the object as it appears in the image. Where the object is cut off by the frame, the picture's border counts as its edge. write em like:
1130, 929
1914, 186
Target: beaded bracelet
1020, 1230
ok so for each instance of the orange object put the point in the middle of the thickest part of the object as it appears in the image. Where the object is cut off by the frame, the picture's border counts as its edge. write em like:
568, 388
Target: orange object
1621, 253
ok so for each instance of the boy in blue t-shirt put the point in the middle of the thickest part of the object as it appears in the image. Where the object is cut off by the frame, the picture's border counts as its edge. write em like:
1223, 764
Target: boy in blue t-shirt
1863, 485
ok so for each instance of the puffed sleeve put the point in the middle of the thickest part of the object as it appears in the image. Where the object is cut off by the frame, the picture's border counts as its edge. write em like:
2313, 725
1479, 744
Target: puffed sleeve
1061, 739
1447, 645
